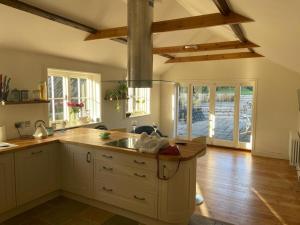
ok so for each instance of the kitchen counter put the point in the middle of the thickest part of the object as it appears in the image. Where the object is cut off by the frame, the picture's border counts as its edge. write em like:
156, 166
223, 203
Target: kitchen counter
90, 137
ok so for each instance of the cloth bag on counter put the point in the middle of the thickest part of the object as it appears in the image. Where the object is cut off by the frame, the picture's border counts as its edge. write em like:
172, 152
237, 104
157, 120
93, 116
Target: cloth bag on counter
2, 133
151, 143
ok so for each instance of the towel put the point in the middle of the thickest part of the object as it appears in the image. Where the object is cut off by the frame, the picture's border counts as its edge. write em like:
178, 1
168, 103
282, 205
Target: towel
151, 143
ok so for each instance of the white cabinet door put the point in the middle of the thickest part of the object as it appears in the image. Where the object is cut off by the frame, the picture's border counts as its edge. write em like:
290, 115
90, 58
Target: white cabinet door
77, 170
7, 183
177, 195
36, 172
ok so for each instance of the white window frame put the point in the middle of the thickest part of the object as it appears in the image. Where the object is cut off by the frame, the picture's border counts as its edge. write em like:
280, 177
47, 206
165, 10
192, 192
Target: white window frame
93, 92
134, 107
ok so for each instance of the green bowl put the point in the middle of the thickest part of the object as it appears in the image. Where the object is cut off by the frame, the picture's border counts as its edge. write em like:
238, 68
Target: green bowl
104, 135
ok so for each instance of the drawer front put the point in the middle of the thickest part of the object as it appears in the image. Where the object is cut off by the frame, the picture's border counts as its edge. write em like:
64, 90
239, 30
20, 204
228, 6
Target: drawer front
126, 193
145, 177
128, 160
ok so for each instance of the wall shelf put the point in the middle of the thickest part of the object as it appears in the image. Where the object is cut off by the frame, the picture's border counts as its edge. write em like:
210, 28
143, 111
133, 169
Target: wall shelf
25, 102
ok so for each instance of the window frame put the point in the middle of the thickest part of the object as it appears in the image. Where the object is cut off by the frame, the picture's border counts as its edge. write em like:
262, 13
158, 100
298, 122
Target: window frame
93, 94
135, 108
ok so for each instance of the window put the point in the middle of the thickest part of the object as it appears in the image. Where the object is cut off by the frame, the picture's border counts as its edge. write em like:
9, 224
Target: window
70, 86
139, 102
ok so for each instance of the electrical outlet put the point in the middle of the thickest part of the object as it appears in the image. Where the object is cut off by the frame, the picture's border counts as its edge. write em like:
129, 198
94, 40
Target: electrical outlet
27, 123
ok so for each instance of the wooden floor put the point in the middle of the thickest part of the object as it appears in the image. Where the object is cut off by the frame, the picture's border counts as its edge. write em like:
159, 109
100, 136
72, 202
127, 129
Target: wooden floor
241, 189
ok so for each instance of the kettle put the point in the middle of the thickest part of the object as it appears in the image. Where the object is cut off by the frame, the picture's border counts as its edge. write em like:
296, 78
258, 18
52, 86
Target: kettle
40, 129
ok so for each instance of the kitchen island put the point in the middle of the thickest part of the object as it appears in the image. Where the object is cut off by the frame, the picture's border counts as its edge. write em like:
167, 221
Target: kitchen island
79, 165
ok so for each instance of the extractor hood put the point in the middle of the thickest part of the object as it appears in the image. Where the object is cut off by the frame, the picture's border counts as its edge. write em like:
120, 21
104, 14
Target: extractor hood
140, 43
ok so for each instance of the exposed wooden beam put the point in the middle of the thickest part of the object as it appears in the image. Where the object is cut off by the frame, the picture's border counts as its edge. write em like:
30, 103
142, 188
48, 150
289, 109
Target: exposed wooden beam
48, 15
194, 22
238, 55
205, 47
225, 10
59, 19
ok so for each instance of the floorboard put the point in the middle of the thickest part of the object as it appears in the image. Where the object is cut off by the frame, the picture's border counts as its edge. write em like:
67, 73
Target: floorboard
245, 190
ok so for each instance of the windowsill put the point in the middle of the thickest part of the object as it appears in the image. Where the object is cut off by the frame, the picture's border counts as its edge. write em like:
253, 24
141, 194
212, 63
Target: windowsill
73, 126
138, 115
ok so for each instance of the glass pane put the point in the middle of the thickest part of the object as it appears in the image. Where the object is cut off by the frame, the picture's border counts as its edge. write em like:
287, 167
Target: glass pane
59, 109
83, 88
75, 100
58, 87
74, 87
50, 112
182, 112
245, 120
49, 87
200, 111
224, 113
84, 110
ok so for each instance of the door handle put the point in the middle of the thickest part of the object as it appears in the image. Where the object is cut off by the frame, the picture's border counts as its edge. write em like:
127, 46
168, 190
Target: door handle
139, 162
107, 168
89, 157
140, 175
138, 198
107, 156
106, 189
35, 153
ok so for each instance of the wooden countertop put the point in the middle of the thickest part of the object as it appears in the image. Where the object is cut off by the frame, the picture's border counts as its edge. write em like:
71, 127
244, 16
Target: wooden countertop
90, 137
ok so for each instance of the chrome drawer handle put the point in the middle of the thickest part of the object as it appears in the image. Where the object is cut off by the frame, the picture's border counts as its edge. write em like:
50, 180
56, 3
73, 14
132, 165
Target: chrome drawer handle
107, 168
107, 156
138, 198
106, 189
35, 153
139, 162
140, 175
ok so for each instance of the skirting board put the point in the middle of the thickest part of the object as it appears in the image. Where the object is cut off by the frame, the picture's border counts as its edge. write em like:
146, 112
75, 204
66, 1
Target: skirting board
122, 212
16, 211
273, 155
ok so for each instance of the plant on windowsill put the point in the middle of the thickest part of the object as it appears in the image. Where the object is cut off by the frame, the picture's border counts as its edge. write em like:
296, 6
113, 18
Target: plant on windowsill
74, 111
117, 94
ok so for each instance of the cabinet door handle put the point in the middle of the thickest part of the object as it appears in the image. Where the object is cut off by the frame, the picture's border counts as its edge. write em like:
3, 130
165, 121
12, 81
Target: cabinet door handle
107, 168
89, 157
107, 189
35, 153
107, 156
138, 198
139, 162
140, 175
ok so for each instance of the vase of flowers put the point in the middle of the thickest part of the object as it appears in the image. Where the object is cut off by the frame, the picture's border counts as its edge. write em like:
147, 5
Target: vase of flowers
75, 109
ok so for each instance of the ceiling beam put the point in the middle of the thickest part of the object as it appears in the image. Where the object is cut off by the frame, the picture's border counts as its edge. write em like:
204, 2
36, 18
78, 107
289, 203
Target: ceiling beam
59, 19
47, 15
205, 47
224, 8
239, 55
193, 22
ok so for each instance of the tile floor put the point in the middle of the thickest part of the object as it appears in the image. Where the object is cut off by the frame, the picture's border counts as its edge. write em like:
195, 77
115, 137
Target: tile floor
64, 211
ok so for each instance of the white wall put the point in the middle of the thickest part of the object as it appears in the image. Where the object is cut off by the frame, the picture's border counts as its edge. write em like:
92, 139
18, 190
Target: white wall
277, 107
27, 70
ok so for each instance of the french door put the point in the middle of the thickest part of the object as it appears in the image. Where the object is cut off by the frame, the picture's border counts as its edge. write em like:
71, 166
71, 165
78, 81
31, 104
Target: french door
223, 112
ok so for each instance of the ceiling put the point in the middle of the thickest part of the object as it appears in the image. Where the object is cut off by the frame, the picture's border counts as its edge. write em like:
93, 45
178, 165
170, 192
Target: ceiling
275, 28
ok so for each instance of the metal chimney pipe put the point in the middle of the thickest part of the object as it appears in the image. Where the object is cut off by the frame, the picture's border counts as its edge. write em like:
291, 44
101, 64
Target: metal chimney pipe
140, 57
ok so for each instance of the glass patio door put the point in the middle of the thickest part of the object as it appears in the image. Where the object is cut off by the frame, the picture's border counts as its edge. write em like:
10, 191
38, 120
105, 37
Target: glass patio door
221, 112
224, 115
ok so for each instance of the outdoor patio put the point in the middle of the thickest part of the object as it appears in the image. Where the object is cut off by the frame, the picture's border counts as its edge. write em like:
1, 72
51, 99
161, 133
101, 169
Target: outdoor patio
224, 121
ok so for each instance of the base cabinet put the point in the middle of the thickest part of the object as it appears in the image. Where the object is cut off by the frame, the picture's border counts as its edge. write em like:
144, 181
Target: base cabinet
125, 181
177, 195
7, 183
37, 172
77, 170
